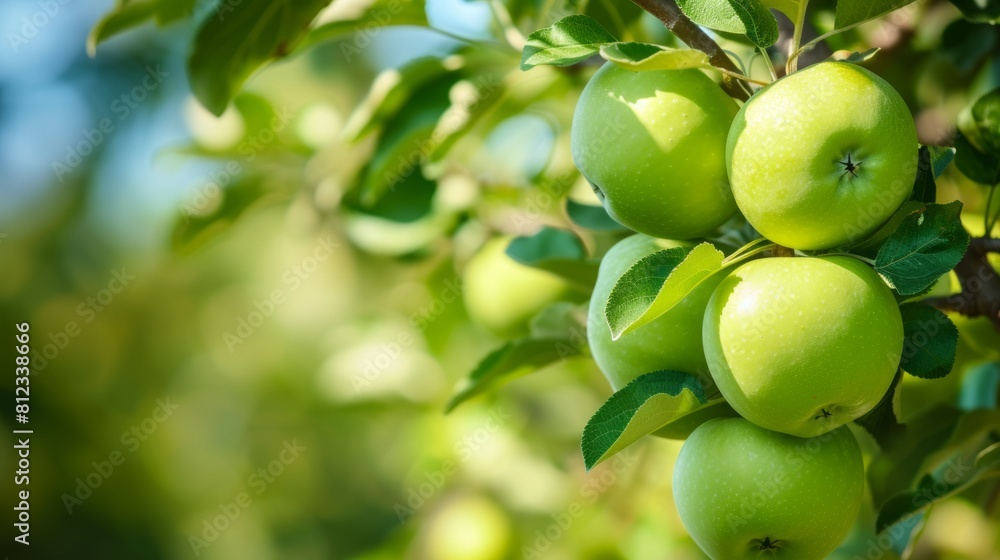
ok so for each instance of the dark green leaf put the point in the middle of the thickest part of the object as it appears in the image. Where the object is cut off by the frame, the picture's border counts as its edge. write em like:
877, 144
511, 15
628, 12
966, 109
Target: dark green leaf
870, 247
565, 42
123, 18
980, 123
594, 218
411, 199
749, 17
518, 357
929, 343
924, 188
987, 11
380, 13
235, 41
925, 247
558, 251
645, 405
966, 44
850, 12
981, 168
882, 422
389, 93
656, 283
941, 157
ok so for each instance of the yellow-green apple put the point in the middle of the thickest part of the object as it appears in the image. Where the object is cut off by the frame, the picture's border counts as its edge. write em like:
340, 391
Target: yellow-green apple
502, 295
671, 341
653, 145
822, 157
745, 493
802, 345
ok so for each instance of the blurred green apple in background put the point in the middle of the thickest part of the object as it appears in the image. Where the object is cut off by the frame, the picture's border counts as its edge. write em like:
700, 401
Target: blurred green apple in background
672, 341
744, 492
805, 344
502, 295
653, 146
822, 157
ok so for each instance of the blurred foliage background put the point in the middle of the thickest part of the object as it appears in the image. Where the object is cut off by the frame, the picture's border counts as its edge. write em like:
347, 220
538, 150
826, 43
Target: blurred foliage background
270, 307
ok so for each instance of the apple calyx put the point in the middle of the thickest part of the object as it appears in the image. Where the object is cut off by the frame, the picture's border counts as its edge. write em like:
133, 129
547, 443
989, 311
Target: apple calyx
766, 544
823, 414
851, 167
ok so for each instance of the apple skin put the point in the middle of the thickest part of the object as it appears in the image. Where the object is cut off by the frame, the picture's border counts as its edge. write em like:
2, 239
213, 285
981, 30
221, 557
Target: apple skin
789, 338
672, 341
502, 295
653, 145
736, 484
786, 145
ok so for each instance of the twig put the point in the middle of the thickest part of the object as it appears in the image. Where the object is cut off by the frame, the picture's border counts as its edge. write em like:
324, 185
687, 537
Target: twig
800, 21
670, 14
980, 295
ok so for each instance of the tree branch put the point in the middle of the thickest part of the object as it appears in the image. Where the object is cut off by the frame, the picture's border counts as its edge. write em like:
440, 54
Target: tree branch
980, 295
670, 14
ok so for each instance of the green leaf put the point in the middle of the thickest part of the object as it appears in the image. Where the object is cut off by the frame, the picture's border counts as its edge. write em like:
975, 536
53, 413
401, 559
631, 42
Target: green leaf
389, 92
645, 405
412, 199
657, 283
966, 44
941, 157
924, 187
788, 7
980, 123
516, 358
193, 230
978, 10
129, 14
980, 387
565, 42
925, 247
561, 320
643, 56
855, 57
558, 251
981, 168
594, 218
930, 340
363, 17
882, 422
951, 479
235, 41
850, 12
749, 17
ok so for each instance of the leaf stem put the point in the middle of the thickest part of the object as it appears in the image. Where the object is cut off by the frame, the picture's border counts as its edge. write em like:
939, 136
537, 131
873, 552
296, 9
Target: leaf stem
990, 221
859, 257
734, 258
811, 44
800, 21
770, 64
739, 76
670, 14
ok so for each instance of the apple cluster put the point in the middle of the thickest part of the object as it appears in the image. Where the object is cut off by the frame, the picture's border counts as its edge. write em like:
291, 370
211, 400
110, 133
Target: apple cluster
798, 346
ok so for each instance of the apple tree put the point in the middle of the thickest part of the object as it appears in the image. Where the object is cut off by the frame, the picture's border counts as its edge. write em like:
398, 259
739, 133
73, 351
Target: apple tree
732, 209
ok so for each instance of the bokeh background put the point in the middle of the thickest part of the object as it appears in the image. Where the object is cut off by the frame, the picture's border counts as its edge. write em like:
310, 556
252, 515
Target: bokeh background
269, 366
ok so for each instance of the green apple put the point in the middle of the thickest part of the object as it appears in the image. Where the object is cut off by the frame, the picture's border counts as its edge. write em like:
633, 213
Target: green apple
672, 341
823, 156
653, 146
502, 295
802, 345
744, 492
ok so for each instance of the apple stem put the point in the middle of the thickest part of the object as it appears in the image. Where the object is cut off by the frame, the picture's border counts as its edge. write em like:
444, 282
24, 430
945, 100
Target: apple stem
781, 251
671, 15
